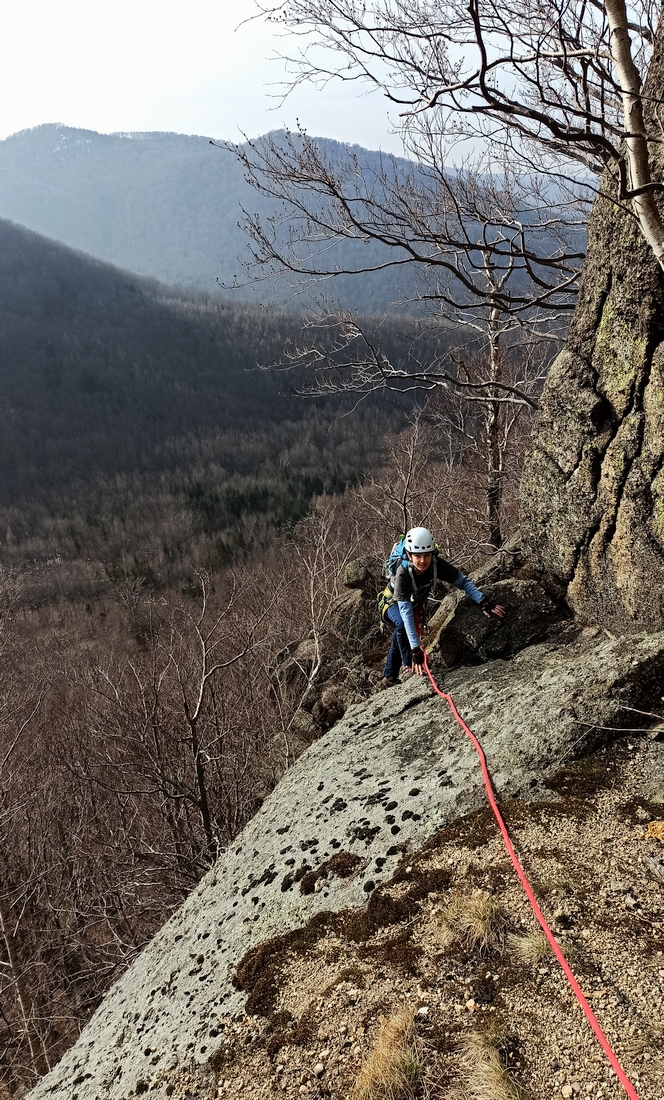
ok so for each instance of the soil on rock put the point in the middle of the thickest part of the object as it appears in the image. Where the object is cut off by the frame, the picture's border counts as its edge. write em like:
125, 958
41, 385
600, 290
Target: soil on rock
586, 849
383, 781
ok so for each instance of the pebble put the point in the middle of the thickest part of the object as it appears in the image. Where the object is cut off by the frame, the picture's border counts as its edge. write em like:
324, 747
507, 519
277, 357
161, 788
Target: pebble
567, 1091
423, 1011
319, 1068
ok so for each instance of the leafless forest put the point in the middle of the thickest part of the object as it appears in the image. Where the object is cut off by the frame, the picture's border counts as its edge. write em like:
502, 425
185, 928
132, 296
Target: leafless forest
143, 723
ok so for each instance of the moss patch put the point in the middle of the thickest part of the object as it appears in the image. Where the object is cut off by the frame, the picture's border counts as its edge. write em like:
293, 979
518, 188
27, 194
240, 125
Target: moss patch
618, 356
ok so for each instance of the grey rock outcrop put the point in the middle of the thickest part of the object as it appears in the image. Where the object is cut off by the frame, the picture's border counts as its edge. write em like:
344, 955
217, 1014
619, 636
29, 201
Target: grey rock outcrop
388, 776
359, 573
330, 670
593, 487
463, 635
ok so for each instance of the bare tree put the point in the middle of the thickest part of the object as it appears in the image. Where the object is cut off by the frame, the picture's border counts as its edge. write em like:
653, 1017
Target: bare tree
557, 84
498, 246
478, 233
411, 490
517, 117
322, 544
15, 969
20, 701
160, 727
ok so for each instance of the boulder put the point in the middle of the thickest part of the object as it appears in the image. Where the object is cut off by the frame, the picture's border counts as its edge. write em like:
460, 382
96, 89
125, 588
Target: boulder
354, 620
297, 662
350, 684
352, 617
359, 573
329, 671
504, 563
463, 635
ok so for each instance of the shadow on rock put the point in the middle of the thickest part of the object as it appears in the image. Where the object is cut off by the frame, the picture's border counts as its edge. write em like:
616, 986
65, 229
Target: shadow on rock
462, 635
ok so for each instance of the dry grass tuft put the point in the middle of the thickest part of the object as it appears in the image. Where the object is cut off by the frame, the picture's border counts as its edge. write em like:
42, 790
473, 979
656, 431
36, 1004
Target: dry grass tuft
558, 883
478, 923
648, 1038
529, 948
483, 1072
391, 1068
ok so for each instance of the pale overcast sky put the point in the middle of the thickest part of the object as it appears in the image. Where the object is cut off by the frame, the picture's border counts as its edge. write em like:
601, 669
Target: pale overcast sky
182, 65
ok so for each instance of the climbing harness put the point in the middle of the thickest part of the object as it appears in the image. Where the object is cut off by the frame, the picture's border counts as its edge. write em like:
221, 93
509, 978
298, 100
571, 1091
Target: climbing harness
576, 988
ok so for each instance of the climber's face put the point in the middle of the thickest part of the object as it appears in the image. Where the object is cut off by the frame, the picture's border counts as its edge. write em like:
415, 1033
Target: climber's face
421, 562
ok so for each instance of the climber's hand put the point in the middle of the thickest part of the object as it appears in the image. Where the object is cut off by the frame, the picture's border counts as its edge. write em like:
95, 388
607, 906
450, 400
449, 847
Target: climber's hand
496, 610
418, 661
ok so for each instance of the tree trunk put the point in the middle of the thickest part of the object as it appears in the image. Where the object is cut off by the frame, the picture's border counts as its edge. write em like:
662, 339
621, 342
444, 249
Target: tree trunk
201, 784
494, 471
494, 484
593, 487
37, 1052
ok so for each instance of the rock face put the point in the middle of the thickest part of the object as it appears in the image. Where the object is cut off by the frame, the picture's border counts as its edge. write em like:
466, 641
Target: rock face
463, 635
593, 490
388, 776
331, 671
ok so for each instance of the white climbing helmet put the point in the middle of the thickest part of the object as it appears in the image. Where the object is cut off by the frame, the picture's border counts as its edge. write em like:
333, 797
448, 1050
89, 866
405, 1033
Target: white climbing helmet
419, 540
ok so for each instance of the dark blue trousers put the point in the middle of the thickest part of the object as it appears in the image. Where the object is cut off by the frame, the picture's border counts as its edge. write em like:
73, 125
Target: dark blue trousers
400, 652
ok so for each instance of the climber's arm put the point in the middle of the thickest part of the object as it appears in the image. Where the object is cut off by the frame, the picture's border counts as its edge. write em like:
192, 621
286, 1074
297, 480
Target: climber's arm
408, 615
460, 580
466, 585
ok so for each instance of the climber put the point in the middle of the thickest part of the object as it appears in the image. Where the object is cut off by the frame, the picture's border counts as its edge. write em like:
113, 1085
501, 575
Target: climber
415, 568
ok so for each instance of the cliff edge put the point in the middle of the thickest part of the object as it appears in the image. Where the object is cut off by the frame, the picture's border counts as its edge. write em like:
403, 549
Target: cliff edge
382, 781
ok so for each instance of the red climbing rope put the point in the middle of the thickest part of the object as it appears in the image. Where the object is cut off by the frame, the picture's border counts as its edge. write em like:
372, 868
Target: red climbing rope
590, 1016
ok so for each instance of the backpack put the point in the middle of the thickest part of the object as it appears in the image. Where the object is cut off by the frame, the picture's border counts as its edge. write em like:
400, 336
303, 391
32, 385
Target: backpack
397, 557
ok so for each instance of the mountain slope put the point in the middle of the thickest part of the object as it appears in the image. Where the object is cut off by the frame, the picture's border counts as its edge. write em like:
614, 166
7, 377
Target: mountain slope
159, 204
99, 366
122, 398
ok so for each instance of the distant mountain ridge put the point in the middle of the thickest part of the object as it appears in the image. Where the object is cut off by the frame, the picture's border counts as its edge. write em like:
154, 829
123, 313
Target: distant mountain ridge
98, 367
119, 395
164, 205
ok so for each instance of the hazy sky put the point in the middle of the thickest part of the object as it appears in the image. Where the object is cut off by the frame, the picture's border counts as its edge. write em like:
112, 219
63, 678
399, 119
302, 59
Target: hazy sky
182, 65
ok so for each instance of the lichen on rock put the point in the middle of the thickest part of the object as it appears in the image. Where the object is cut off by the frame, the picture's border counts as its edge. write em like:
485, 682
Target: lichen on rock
384, 780
591, 498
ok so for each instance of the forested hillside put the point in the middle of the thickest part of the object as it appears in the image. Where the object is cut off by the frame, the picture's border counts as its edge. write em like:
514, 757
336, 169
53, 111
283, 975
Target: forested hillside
190, 562
134, 420
171, 520
163, 205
